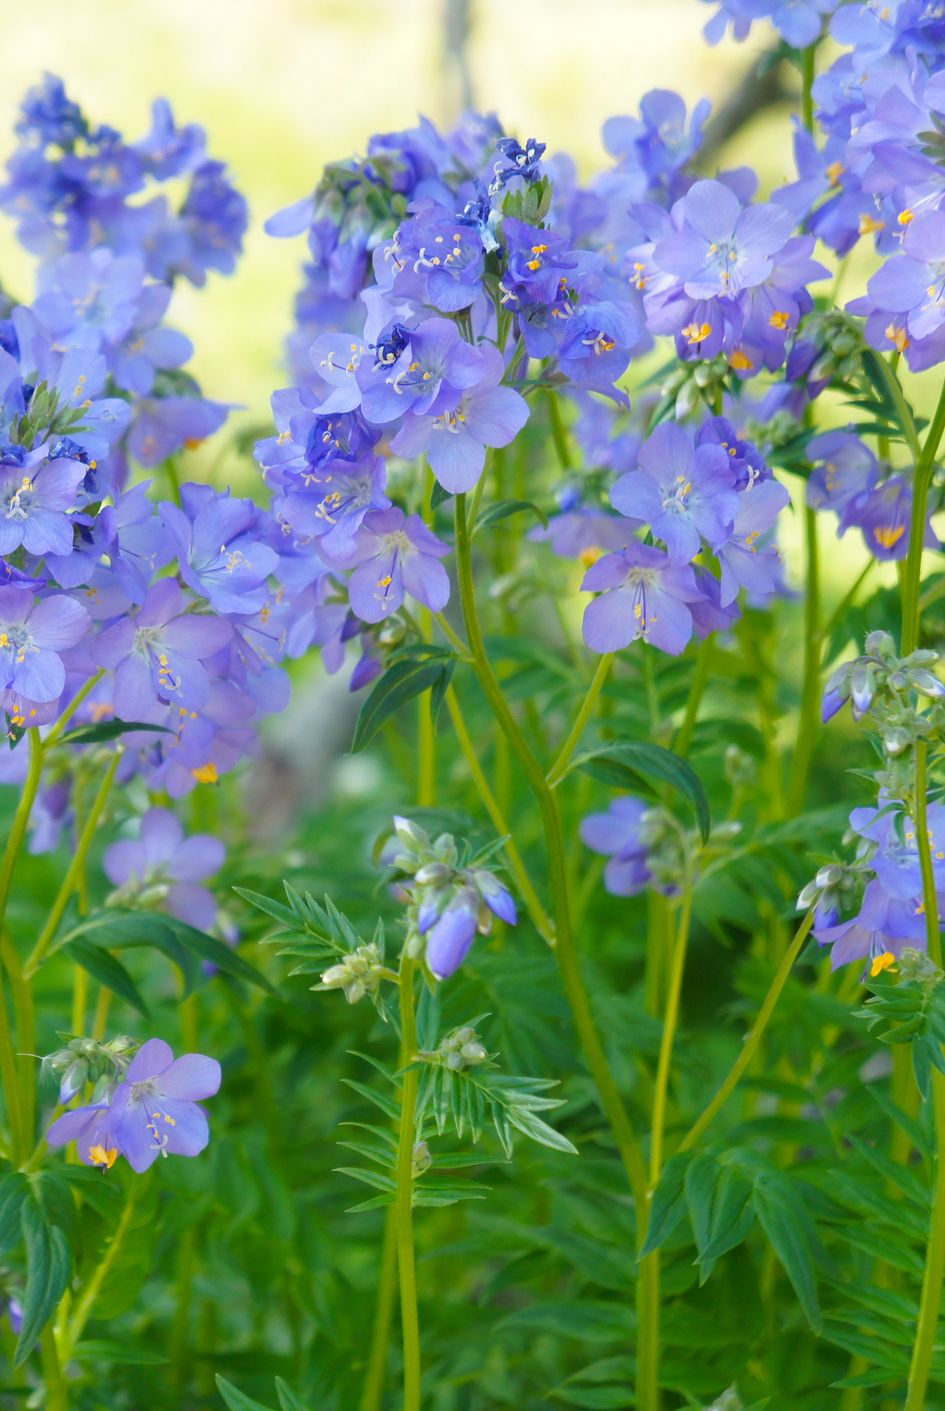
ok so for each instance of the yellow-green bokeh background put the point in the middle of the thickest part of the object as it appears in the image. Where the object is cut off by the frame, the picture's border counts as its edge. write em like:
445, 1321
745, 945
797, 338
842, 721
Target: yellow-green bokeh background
284, 85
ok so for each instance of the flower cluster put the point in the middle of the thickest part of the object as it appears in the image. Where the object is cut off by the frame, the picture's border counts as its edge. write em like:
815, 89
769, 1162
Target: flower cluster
449, 900
702, 495
892, 694
170, 613
74, 186
152, 1112
874, 168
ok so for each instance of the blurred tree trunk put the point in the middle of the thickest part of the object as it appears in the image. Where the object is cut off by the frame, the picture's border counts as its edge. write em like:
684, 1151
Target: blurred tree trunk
457, 94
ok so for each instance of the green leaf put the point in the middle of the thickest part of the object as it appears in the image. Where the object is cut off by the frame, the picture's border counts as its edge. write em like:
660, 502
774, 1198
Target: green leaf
237, 1400
109, 730
13, 1191
108, 971
532, 1126
401, 682
669, 1203
218, 954
100, 1351
502, 509
628, 763
439, 496
288, 1401
784, 1220
730, 1219
48, 1266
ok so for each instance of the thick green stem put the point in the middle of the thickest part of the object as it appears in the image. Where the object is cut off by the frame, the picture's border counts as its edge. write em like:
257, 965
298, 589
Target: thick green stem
565, 950
403, 1200
560, 766
74, 870
648, 1287
911, 583
750, 1046
929, 1306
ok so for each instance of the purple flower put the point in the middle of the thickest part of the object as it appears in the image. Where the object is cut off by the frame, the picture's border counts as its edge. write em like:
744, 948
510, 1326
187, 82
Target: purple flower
437, 260
896, 860
219, 550
158, 655
618, 835
164, 869
34, 505
745, 562
845, 471
153, 1112
722, 248
685, 493
454, 441
397, 555
910, 284
428, 377
32, 633
642, 594
451, 935
884, 923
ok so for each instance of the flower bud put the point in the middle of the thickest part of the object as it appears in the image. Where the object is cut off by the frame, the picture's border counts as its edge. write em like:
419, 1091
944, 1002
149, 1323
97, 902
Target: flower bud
895, 741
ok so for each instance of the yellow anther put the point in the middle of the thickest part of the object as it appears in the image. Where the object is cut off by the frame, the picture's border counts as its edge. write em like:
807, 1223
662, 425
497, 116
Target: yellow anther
897, 336
206, 773
906, 216
99, 1156
779, 319
740, 361
834, 173
889, 536
886, 961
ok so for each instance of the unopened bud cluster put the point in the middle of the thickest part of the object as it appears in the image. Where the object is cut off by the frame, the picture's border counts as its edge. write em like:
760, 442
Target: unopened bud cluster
839, 343
692, 383
447, 903
359, 974
460, 1049
88, 1061
832, 891
886, 687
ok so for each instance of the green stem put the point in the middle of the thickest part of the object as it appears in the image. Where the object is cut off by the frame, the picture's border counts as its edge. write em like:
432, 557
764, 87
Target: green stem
559, 435
24, 1019
930, 1303
85, 1303
11, 1085
57, 1392
536, 911
565, 950
846, 601
560, 766
808, 63
403, 1201
59, 729
903, 410
648, 1291
750, 1046
372, 1394
21, 820
810, 690
73, 872
700, 679
924, 467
